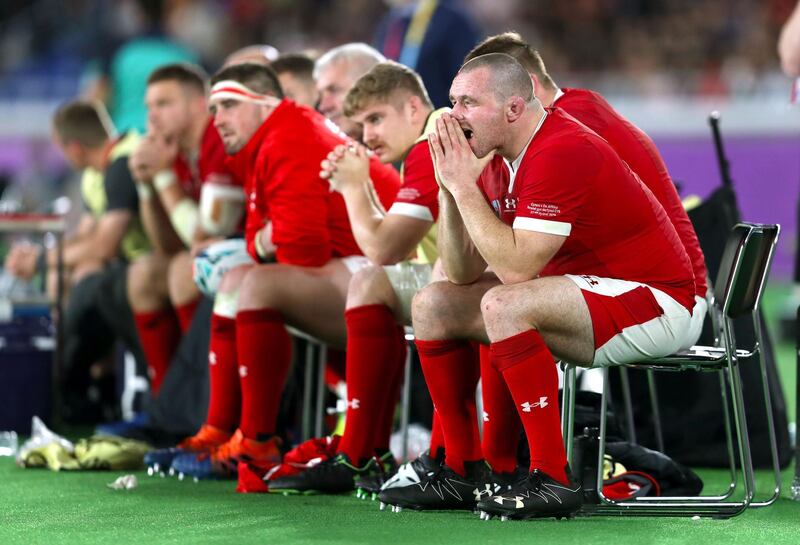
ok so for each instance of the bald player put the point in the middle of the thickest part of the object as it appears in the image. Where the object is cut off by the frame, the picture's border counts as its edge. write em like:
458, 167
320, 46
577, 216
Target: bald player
530, 221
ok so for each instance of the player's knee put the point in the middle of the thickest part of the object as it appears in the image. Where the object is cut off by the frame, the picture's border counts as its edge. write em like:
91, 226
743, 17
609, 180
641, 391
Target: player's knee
179, 267
494, 305
430, 310
367, 286
179, 271
147, 277
261, 287
232, 280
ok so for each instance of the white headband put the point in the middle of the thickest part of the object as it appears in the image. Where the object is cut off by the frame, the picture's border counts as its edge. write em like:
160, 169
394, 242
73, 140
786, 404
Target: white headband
233, 90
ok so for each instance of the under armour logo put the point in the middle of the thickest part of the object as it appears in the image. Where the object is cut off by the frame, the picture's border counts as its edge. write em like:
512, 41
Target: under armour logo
590, 280
485, 416
511, 203
212, 358
242, 371
342, 406
542, 403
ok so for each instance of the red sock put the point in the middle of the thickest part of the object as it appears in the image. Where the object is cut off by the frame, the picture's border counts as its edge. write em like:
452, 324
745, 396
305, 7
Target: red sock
185, 314
264, 350
437, 436
530, 373
452, 374
159, 333
371, 368
501, 425
225, 400
383, 434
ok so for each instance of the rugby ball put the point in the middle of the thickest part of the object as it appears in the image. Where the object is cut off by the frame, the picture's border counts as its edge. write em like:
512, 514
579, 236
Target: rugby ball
214, 261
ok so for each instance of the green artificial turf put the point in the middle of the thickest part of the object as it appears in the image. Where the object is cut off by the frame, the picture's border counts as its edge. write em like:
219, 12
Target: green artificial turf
40, 506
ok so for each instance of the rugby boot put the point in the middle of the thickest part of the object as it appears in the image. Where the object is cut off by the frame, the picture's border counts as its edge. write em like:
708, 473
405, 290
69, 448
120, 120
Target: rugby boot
332, 476
536, 496
205, 440
411, 472
368, 486
441, 488
222, 462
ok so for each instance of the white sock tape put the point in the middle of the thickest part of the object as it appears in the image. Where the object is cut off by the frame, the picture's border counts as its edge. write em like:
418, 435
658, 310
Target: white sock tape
226, 304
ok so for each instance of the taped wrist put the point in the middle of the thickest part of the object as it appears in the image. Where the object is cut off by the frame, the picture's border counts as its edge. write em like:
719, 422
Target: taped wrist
144, 191
184, 217
164, 179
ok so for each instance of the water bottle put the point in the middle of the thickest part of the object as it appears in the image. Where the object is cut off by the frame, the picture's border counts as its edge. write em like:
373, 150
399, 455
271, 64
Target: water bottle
584, 459
8, 443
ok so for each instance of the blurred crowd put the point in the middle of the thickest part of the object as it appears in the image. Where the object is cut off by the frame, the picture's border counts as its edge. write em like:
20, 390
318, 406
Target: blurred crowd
623, 47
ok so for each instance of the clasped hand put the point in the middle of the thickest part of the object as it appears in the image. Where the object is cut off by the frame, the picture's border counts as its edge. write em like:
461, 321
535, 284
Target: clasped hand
346, 166
454, 162
155, 152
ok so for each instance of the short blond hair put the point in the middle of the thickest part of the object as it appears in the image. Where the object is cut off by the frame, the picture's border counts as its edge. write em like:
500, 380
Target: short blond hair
381, 84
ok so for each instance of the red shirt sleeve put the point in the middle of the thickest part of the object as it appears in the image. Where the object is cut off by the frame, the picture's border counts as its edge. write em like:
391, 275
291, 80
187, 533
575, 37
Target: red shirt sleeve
297, 202
386, 181
418, 195
255, 219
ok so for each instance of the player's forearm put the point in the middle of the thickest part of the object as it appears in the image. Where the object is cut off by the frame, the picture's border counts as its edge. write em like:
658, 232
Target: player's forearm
158, 227
265, 249
460, 259
366, 218
180, 208
494, 240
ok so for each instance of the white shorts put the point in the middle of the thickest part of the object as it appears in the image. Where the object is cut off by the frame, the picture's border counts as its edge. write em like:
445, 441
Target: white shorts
633, 321
407, 278
698, 318
355, 263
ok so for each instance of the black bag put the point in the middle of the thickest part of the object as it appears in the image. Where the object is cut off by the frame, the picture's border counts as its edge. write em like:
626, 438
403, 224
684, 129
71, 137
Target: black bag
655, 473
182, 402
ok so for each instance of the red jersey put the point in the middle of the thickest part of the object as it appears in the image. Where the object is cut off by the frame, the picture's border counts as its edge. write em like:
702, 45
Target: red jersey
570, 182
208, 166
280, 165
641, 154
419, 195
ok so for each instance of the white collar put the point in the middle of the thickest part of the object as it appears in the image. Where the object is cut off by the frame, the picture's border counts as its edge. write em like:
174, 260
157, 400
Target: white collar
514, 165
559, 94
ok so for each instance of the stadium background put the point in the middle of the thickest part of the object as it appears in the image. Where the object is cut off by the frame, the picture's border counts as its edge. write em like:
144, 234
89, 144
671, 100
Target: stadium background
665, 64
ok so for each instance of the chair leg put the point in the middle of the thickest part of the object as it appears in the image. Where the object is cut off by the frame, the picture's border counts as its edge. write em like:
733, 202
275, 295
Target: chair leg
405, 403
739, 418
724, 381
308, 381
320, 409
655, 409
662, 506
773, 442
601, 447
630, 425
568, 409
